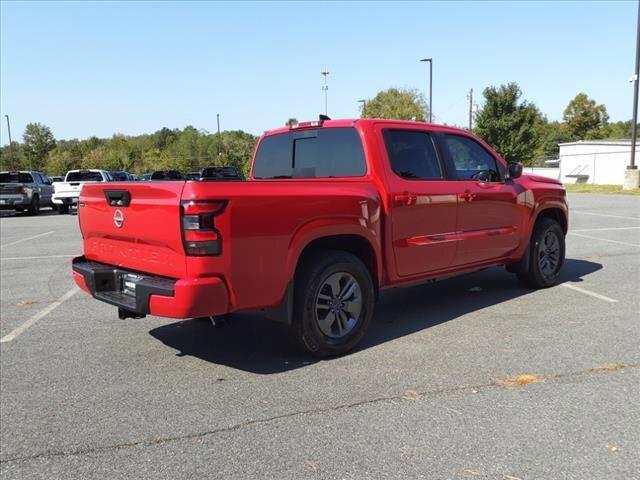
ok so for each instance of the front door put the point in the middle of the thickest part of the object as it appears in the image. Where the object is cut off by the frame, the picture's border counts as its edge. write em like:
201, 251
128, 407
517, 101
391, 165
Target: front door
423, 204
488, 212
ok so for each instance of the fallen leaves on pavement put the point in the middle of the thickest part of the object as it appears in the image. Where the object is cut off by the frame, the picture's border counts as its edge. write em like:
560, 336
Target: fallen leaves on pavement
519, 381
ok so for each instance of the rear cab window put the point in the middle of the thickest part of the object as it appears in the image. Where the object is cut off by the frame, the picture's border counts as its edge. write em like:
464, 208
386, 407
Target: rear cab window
84, 176
16, 177
331, 152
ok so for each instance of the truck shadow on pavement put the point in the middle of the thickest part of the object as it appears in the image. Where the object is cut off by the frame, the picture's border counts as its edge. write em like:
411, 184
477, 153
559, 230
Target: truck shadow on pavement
250, 342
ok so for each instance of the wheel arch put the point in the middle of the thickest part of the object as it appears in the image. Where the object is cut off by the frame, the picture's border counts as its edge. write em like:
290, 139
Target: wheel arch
349, 240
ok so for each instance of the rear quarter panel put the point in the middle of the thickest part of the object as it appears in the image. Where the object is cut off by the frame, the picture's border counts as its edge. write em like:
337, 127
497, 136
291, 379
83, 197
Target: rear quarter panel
267, 224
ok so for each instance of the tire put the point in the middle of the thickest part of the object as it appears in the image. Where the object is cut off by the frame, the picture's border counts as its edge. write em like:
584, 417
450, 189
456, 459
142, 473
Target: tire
339, 284
34, 208
546, 256
63, 209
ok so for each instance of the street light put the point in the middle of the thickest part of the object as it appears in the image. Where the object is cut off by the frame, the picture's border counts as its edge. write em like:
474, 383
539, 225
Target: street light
325, 87
219, 141
430, 60
9, 131
364, 104
634, 122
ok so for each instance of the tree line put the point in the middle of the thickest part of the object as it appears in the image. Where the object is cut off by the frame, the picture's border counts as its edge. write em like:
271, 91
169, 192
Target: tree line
186, 150
514, 127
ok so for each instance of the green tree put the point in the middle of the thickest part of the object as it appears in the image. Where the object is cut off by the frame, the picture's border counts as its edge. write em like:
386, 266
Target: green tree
585, 119
38, 142
618, 130
291, 121
396, 104
510, 126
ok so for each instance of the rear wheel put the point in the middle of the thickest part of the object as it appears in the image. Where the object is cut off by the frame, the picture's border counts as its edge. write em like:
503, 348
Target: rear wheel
546, 256
34, 208
63, 209
333, 303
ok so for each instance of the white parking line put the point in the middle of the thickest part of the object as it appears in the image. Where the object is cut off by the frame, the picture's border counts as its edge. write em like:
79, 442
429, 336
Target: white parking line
604, 215
590, 293
604, 229
28, 238
37, 257
605, 239
42, 313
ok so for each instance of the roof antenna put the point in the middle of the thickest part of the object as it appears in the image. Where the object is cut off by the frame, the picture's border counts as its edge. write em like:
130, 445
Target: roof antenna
323, 117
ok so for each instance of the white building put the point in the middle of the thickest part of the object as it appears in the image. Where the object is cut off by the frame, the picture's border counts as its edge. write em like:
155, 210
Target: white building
595, 161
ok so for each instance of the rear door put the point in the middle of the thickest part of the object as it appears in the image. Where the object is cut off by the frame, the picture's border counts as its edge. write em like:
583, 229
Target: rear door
134, 226
488, 212
423, 205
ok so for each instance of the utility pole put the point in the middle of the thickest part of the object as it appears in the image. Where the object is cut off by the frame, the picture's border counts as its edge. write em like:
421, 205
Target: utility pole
325, 87
430, 60
470, 97
631, 177
219, 139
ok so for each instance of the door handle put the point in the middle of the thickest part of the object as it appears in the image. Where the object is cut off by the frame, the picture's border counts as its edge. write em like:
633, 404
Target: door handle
467, 196
405, 199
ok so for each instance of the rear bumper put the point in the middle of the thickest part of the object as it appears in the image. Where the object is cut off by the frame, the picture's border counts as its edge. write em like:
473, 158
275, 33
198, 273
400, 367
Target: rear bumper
10, 202
62, 200
160, 296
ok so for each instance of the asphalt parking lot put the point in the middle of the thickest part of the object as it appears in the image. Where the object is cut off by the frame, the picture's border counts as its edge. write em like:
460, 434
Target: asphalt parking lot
430, 394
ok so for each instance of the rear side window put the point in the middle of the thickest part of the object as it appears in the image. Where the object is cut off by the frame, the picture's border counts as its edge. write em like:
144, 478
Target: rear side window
17, 177
84, 176
321, 153
412, 154
471, 160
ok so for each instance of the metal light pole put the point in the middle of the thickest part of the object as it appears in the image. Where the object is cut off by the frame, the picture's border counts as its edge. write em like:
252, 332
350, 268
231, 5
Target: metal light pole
325, 87
634, 121
9, 131
364, 104
430, 60
219, 140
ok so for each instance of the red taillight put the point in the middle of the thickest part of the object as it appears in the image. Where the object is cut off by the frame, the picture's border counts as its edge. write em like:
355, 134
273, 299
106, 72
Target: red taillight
200, 237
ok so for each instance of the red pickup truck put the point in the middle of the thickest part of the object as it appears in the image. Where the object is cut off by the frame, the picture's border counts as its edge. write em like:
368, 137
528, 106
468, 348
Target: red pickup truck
333, 211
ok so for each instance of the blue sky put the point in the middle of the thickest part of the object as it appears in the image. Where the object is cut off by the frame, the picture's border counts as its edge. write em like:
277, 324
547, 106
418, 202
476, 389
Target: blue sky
89, 68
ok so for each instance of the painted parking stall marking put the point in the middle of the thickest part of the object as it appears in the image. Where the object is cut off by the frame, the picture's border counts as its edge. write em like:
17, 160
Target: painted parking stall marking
26, 239
41, 314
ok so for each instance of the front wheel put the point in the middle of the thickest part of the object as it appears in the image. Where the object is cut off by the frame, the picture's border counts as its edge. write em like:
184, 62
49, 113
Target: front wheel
546, 256
333, 303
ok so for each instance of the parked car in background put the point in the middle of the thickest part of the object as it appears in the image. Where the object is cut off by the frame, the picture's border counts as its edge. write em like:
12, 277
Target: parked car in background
56, 179
66, 193
25, 190
146, 177
333, 211
192, 176
167, 175
120, 176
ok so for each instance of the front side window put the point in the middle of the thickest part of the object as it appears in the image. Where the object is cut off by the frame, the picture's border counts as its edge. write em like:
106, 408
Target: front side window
412, 154
321, 153
471, 160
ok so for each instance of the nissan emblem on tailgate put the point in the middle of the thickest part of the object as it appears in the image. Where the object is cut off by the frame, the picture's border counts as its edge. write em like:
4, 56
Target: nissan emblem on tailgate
118, 218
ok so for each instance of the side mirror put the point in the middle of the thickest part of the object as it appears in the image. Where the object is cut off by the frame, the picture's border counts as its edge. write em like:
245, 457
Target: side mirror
515, 170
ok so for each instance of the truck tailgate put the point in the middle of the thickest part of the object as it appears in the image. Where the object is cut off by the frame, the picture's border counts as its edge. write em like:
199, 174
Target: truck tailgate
143, 235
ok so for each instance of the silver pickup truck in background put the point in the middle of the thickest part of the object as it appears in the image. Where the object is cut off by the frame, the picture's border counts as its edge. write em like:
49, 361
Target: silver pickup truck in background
66, 193
25, 190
